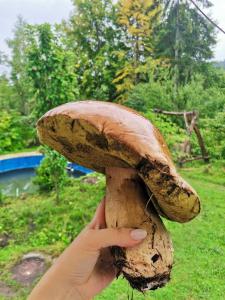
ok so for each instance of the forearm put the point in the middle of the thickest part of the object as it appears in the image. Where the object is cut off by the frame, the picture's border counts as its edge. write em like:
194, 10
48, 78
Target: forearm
45, 292
53, 286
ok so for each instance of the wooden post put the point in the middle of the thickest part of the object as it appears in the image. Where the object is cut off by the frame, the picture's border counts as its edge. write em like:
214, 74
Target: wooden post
190, 119
205, 154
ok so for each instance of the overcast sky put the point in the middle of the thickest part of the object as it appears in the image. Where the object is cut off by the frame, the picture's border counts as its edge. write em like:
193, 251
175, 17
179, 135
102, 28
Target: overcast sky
39, 11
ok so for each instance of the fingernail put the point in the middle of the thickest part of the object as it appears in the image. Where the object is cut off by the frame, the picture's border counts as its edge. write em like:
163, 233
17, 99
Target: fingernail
138, 234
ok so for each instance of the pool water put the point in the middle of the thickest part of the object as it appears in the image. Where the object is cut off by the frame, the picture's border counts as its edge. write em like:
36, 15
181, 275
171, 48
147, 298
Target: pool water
15, 183
19, 182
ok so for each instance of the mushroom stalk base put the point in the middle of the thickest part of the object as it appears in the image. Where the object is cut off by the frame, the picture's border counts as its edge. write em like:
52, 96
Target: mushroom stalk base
148, 265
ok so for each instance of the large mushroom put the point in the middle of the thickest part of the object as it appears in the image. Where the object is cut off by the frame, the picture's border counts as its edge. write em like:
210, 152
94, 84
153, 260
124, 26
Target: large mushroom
141, 179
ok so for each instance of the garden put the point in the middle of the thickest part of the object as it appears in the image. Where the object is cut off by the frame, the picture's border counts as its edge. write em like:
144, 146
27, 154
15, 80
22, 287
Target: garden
155, 57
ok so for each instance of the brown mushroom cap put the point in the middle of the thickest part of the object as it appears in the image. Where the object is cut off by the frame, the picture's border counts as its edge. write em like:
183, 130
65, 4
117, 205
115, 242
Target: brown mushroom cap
99, 134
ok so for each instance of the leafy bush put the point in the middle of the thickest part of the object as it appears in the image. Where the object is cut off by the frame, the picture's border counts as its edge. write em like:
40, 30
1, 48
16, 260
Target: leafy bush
1, 197
205, 95
15, 131
207, 101
146, 96
173, 134
8, 97
51, 174
214, 135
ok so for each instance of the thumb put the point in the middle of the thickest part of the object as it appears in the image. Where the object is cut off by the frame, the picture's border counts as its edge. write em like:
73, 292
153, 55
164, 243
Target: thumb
97, 239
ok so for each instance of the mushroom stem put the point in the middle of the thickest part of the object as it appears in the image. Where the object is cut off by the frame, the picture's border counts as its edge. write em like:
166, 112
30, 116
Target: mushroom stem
146, 266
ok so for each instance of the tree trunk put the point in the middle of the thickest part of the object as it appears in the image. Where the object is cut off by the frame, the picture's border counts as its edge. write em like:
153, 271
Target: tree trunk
176, 54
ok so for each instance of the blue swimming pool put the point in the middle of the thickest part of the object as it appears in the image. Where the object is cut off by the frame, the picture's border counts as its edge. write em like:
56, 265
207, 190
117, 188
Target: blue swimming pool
20, 163
32, 162
16, 173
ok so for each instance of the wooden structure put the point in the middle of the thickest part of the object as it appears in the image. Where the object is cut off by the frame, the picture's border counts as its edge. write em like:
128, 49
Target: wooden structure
190, 120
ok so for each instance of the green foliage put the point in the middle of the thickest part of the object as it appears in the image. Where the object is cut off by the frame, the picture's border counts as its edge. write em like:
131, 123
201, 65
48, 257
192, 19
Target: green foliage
37, 224
3, 58
93, 35
172, 133
18, 63
8, 96
50, 69
15, 131
186, 38
220, 64
145, 54
147, 96
214, 77
44, 224
214, 134
96, 82
1, 197
51, 174
212, 172
136, 19
204, 95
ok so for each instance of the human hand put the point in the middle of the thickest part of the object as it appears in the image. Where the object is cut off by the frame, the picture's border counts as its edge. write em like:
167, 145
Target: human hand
86, 267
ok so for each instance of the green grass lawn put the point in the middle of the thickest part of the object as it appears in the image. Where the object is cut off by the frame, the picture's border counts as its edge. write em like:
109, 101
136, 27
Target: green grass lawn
38, 223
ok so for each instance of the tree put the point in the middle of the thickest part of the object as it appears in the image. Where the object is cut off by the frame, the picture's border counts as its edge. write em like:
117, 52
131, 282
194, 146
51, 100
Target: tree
186, 38
3, 58
93, 36
8, 97
137, 19
51, 174
15, 131
50, 69
220, 64
18, 63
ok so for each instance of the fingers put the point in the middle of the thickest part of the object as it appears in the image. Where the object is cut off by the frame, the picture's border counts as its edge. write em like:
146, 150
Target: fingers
98, 220
95, 238
123, 237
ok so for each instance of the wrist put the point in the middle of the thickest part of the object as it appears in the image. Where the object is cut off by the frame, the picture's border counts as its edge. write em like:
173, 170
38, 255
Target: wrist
53, 294
74, 293
78, 294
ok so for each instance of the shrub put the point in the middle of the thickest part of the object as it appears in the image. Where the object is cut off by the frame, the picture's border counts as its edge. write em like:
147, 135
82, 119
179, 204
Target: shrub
1, 197
208, 98
51, 174
146, 96
207, 101
214, 135
15, 131
173, 134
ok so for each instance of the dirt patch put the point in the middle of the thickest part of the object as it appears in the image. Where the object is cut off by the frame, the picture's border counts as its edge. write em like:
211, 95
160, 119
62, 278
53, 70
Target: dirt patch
29, 268
4, 240
90, 180
5, 290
